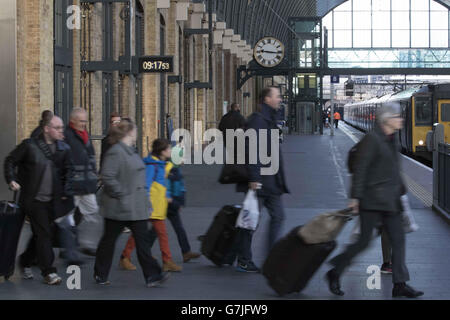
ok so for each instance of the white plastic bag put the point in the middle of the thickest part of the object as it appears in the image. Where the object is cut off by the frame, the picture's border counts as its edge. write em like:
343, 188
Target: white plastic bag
249, 215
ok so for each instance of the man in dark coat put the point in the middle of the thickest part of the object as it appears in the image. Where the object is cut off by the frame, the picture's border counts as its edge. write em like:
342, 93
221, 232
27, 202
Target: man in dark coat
232, 120
376, 190
44, 177
269, 187
85, 176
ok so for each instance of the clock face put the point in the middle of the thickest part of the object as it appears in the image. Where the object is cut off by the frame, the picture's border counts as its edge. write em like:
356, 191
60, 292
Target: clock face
268, 52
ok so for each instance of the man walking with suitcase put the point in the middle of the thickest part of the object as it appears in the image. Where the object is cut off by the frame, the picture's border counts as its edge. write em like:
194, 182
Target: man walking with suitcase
269, 188
376, 190
45, 180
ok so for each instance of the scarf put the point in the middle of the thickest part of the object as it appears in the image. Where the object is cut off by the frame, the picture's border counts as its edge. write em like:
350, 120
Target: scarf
83, 134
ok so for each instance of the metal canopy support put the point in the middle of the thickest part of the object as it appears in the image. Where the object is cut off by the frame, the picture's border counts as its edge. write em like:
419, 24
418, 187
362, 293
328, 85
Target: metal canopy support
124, 65
209, 31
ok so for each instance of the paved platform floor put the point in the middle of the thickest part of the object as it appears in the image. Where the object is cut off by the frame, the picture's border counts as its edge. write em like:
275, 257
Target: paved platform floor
319, 182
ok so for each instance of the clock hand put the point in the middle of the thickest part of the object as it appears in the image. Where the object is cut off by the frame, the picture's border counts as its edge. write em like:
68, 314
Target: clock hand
269, 51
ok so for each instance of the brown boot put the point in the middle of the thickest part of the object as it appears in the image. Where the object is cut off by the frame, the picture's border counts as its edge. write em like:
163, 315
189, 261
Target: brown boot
126, 264
171, 266
190, 255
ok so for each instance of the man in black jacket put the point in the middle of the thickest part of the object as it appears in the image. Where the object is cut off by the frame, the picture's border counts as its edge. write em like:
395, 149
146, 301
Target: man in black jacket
44, 177
232, 120
269, 187
376, 190
85, 176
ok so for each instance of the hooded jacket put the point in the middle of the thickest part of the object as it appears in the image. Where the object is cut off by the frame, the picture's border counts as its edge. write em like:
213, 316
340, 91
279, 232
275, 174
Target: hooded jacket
156, 173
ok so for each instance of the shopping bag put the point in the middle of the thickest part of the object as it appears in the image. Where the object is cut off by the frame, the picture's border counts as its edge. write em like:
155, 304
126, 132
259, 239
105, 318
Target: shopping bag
249, 215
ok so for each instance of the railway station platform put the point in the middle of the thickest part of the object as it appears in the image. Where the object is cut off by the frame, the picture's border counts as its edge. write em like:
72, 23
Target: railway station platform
319, 182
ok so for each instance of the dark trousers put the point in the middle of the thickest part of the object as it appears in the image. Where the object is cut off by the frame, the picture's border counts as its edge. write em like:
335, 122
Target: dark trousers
41, 219
276, 213
336, 122
241, 248
105, 250
392, 222
28, 257
173, 214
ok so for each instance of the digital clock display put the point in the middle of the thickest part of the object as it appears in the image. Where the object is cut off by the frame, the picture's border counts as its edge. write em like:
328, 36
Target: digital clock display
156, 64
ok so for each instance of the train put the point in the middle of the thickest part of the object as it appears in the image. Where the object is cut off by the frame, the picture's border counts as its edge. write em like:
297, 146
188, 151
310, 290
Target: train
421, 107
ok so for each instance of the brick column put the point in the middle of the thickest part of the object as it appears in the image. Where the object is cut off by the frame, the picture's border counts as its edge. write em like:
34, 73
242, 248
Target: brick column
35, 71
219, 82
151, 82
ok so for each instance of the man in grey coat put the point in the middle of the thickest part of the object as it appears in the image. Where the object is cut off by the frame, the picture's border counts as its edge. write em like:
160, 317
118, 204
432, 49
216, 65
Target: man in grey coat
376, 190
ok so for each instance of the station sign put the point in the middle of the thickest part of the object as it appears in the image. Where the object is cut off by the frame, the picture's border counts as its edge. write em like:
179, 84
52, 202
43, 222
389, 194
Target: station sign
156, 64
334, 78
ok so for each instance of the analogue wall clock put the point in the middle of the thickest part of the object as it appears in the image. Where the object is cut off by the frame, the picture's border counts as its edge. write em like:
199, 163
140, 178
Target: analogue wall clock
268, 52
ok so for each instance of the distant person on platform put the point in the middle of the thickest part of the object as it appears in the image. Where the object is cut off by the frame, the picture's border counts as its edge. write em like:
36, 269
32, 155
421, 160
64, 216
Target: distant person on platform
114, 121
232, 120
337, 117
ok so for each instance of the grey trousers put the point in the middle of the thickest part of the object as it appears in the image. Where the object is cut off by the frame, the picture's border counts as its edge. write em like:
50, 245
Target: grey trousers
392, 222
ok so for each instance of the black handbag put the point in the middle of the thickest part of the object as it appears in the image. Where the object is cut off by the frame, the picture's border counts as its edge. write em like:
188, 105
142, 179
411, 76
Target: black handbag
233, 173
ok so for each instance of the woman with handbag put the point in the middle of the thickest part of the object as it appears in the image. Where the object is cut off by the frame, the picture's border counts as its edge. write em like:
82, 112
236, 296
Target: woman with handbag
124, 203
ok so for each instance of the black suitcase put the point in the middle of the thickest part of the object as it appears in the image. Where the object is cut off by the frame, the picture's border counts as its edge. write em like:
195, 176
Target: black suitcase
219, 239
291, 262
11, 221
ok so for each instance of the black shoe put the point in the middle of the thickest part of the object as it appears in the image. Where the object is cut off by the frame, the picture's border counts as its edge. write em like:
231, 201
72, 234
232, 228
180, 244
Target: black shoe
88, 252
158, 279
403, 290
101, 281
333, 283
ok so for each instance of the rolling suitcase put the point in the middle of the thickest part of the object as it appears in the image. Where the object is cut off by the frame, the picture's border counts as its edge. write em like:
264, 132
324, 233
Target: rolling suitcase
11, 221
219, 239
295, 258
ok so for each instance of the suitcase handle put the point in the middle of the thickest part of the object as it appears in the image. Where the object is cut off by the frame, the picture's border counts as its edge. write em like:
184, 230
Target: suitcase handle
15, 201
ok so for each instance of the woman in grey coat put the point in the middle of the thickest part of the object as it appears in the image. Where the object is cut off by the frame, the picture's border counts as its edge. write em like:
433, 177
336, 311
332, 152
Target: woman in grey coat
124, 202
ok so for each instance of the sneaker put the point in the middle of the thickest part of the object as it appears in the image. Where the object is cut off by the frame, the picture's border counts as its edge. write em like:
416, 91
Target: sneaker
125, 264
101, 281
190, 255
27, 273
52, 279
386, 268
249, 267
158, 279
403, 290
126, 230
171, 266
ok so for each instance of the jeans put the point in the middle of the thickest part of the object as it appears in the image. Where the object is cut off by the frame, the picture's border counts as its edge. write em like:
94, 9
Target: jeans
173, 214
242, 247
276, 212
105, 251
392, 222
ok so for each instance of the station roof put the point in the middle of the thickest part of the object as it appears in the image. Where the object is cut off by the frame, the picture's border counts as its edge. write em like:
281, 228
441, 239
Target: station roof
255, 19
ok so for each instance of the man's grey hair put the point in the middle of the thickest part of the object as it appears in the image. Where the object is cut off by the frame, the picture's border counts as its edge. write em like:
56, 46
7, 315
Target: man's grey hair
75, 112
387, 111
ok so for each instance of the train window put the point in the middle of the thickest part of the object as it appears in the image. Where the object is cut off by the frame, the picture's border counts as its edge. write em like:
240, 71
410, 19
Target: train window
423, 111
445, 112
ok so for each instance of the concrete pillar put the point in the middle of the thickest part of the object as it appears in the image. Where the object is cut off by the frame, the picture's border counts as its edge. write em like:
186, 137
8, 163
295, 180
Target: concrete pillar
219, 82
173, 37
